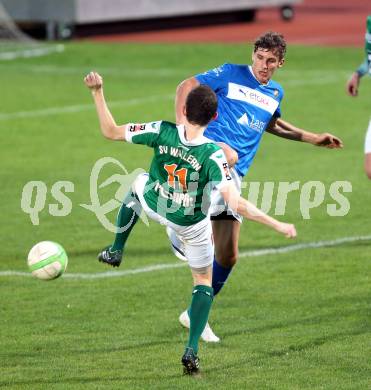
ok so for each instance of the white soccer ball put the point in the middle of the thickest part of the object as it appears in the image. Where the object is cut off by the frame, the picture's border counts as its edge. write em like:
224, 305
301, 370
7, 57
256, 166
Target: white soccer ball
47, 260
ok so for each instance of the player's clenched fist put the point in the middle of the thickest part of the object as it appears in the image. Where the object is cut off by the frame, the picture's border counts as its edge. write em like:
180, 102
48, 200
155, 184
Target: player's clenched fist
287, 229
93, 81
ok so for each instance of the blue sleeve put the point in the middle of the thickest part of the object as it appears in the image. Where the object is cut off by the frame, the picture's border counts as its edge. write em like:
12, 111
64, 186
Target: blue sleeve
217, 77
277, 113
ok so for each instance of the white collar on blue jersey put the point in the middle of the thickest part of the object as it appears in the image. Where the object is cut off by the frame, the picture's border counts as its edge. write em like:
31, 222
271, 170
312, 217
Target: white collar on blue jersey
252, 73
195, 142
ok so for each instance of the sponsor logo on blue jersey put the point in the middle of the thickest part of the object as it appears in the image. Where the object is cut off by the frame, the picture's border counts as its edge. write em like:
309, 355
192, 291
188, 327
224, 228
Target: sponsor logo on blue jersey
252, 123
252, 96
245, 108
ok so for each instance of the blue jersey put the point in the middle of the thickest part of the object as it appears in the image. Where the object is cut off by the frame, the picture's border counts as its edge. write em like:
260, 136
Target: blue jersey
245, 107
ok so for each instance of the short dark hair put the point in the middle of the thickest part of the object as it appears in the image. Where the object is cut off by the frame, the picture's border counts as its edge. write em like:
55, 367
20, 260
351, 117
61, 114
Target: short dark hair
272, 41
201, 105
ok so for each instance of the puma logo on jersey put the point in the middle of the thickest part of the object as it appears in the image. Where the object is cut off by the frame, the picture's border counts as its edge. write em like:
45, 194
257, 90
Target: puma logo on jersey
253, 97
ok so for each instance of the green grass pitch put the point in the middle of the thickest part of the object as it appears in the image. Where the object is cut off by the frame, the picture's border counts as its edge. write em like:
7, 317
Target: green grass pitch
299, 320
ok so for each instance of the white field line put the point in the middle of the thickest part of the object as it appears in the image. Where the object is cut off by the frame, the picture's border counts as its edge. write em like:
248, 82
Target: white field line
82, 70
87, 107
31, 52
80, 107
159, 267
298, 247
285, 74
288, 77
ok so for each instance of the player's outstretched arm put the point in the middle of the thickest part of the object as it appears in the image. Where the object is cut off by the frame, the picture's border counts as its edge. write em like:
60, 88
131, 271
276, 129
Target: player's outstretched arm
108, 125
250, 211
287, 130
181, 94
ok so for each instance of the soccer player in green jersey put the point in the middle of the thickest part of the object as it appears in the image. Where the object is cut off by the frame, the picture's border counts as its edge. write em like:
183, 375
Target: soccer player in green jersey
352, 89
185, 168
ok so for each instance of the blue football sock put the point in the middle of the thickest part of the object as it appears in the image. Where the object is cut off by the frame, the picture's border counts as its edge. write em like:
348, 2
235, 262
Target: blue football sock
220, 275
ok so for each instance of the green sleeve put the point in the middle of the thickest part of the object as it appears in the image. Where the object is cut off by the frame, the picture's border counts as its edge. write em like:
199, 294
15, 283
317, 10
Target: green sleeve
143, 133
218, 170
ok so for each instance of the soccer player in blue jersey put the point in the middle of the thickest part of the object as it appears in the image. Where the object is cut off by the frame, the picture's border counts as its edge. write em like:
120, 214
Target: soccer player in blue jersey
352, 89
249, 105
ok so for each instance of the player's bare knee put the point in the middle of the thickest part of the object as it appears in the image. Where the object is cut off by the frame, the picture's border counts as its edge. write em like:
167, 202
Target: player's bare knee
232, 259
202, 275
227, 259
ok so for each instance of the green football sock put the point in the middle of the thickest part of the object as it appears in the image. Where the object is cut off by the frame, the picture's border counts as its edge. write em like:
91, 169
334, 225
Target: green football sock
202, 298
126, 219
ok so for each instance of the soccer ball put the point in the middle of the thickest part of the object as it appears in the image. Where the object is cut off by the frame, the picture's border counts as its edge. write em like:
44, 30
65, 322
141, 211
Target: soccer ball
47, 260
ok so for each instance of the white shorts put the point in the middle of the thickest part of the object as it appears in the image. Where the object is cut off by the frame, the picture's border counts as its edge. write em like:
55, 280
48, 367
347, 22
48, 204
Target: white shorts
368, 139
197, 238
218, 204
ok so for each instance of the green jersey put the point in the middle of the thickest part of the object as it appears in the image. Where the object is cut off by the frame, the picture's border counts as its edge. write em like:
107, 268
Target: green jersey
368, 44
365, 67
182, 174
